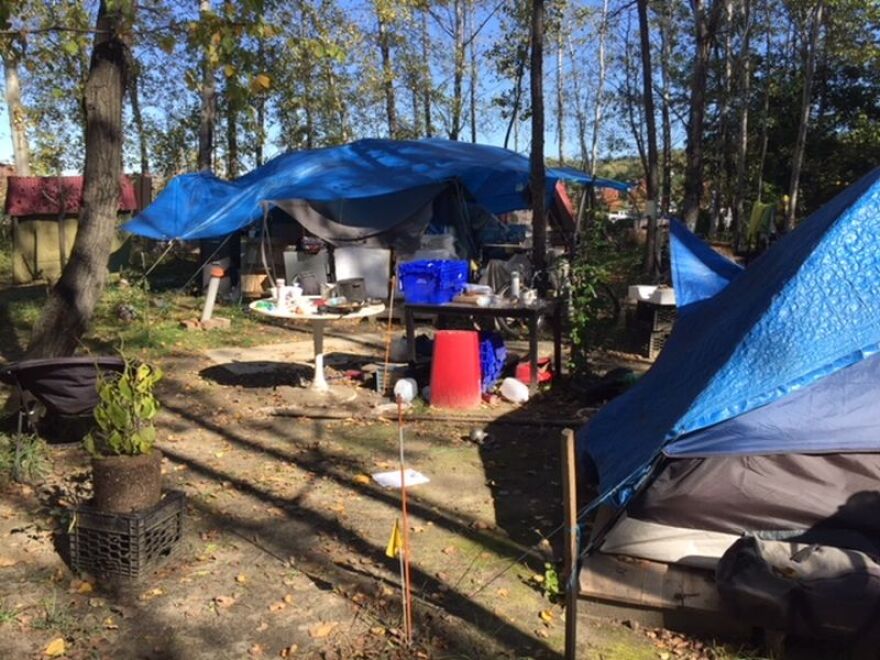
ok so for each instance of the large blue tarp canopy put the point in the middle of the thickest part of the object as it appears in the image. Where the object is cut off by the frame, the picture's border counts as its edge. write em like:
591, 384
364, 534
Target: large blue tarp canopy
781, 342
195, 206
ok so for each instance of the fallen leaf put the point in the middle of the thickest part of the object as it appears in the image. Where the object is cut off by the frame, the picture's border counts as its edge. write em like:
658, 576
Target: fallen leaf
546, 616
288, 599
543, 634
241, 579
362, 479
379, 631
537, 578
289, 651
97, 602
263, 626
85, 588
277, 607
109, 624
255, 651
56, 648
6, 562
152, 593
502, 592
449, 550
322, 629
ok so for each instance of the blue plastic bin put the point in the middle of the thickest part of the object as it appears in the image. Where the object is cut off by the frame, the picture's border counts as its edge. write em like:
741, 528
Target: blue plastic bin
432, 282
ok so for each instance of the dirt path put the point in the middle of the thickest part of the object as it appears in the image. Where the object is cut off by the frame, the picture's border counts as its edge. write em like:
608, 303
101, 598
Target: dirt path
284, 548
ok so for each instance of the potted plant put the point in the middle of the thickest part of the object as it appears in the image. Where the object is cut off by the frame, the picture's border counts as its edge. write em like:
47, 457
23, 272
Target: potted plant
126, 467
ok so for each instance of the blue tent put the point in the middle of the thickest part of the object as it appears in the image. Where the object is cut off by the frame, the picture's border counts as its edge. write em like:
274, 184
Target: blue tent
345, 184
776, 359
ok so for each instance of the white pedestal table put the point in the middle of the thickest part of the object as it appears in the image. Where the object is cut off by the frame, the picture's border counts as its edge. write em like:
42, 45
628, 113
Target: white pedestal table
318, 321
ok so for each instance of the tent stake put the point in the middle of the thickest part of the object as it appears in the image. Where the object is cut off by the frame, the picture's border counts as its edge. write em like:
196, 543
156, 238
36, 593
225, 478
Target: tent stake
569, 502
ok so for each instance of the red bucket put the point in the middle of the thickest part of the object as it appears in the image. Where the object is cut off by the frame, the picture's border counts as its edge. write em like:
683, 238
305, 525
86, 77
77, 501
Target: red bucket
455, 369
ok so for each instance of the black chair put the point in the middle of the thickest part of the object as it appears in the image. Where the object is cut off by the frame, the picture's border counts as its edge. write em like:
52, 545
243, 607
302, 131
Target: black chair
63, 386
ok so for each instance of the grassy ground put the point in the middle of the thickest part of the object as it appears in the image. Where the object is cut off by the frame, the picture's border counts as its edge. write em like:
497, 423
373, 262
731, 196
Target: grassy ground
285, 541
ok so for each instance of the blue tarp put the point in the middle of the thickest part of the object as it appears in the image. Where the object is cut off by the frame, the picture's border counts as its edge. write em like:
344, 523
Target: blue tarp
698, 272
807, 308
195, 206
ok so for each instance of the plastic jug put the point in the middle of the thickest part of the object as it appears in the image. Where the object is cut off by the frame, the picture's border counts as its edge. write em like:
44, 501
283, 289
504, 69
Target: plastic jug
514, 390
407, 389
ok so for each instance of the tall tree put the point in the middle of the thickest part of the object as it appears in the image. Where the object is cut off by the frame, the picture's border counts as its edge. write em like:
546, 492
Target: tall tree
71, 303
426, 72
208, 111
665, 30
599, 104
538, 185
383, 18
797, 158
706, 19
15, 109
652, 246
742, 139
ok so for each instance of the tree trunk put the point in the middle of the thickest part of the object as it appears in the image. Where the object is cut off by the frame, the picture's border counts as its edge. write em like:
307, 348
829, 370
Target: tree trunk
208, 112
806, 98
517, 98
666, 102
600, 91
651, 261
426, 64
71, 303
765, 105
580, 114
457, 70
17, 116
742, 141
538, 185
635, 123
560, 99
473, 88
134, 99
387, 74
232, 163
705, 26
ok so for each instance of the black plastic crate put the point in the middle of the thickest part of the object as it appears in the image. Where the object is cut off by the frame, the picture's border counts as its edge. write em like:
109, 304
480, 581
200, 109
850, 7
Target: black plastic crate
126, 544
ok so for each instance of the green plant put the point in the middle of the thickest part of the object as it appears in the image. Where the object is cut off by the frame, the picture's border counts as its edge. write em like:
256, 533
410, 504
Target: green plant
23, 458
125, 412
586, 281
550, 585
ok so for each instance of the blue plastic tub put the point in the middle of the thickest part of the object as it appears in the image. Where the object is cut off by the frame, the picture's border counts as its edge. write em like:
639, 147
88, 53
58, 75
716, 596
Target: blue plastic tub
432, 282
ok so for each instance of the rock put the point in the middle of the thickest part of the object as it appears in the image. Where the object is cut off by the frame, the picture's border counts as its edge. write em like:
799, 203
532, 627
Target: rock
191, 325
216, 323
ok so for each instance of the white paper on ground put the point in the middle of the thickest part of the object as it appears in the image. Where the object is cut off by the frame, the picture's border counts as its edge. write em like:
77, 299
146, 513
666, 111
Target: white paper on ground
392, 479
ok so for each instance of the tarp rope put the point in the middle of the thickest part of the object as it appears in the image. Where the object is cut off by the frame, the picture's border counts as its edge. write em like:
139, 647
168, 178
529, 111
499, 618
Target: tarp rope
205, 263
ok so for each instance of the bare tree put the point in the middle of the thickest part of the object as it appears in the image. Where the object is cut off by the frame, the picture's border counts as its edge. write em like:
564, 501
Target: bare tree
387, 71
71, 303
797, 159
599, 105
665, 30
560, 96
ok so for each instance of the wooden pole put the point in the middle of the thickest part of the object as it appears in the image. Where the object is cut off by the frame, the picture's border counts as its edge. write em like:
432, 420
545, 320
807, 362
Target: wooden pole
569, 502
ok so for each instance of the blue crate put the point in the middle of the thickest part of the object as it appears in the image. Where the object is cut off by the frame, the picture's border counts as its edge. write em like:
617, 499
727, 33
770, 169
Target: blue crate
493, 357
432, 282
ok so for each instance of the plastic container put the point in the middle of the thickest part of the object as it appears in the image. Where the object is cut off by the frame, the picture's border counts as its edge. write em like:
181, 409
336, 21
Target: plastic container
524, 371
432, 282
407, 389
514, 391
455, 370
386, 380
127, 545
493, 355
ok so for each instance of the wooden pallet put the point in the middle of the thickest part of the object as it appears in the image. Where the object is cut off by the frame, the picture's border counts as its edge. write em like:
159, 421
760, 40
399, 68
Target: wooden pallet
655, 594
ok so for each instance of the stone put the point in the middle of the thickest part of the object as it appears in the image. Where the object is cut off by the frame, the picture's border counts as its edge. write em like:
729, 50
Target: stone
216, 323
191, 325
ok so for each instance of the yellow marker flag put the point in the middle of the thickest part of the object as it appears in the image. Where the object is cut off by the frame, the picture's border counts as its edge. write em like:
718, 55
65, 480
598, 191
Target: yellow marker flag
395, 541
